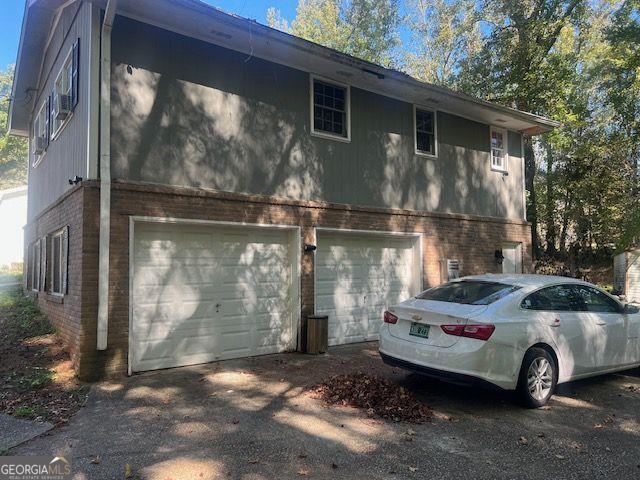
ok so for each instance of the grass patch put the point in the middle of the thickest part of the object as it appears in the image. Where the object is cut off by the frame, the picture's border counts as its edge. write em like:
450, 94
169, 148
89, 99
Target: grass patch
35, 380
21, 318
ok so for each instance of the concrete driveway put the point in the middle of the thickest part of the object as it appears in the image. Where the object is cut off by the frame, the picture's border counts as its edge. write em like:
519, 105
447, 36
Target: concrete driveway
250, 419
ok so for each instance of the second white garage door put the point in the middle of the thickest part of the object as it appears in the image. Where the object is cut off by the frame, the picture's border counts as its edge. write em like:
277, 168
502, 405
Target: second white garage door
358, 276
203, 293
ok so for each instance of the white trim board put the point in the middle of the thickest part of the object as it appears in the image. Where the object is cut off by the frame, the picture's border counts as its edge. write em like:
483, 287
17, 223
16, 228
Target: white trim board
295, 239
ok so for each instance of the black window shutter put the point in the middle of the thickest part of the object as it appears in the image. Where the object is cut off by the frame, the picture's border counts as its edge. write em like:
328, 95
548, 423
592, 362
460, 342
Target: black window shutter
47, 121
43, 265
74, 74
65, 260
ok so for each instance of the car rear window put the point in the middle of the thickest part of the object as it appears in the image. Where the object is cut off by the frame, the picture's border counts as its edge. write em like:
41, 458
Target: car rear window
469, 292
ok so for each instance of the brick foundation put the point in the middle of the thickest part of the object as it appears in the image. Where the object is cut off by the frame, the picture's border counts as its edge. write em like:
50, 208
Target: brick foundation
473, 240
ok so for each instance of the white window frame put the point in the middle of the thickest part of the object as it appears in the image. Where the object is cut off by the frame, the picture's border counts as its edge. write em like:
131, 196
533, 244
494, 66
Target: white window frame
61, 258
40, 121
422, 153
36, 267
66, 71
321, 133
505, 149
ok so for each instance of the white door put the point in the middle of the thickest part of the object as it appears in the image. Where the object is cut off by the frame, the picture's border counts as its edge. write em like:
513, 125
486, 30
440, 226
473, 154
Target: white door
560, 308
605, 328
358, 277
203, 293
512, 262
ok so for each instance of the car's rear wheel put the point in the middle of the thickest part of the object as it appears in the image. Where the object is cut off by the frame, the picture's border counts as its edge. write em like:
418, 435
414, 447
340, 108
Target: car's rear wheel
538, 378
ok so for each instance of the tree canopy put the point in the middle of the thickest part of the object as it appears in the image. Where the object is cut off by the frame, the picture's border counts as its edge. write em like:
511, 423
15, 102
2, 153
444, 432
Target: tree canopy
13, 150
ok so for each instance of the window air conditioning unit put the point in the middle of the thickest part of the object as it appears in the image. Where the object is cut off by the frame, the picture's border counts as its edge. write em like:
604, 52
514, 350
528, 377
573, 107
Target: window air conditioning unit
41, 145
63, 107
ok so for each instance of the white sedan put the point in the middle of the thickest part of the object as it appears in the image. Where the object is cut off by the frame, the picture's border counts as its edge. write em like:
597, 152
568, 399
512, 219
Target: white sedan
517, 332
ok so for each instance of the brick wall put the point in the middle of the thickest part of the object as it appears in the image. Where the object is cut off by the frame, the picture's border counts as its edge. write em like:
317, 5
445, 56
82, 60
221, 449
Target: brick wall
472, 240
65, 313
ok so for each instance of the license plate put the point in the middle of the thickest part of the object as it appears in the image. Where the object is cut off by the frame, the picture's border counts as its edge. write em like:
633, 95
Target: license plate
419, 330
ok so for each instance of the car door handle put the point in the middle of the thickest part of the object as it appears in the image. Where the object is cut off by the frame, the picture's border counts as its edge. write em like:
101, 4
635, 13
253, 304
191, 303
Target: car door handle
601, 323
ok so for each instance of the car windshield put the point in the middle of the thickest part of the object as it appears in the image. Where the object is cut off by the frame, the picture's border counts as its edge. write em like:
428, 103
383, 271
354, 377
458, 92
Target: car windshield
469, 292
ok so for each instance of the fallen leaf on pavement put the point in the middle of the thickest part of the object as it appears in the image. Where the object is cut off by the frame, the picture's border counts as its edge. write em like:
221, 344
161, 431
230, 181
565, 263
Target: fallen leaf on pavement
303, 472
413, 469
253, 462
128, 473
523, 441
96, 460
376, 395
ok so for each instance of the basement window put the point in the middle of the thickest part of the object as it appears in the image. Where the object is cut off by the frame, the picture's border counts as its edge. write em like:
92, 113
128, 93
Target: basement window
35, 265
424, 121
58, 265
330, 109
498, 149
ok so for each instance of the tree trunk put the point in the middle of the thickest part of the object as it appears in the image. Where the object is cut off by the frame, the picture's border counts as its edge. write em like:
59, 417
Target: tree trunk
565, 223
532, 205
550, 219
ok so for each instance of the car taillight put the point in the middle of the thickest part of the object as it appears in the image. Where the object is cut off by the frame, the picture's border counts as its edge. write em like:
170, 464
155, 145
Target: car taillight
390, 317
479, 332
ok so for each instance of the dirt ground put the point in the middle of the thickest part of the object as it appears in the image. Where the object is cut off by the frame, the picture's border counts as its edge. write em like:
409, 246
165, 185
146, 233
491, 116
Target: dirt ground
37, 380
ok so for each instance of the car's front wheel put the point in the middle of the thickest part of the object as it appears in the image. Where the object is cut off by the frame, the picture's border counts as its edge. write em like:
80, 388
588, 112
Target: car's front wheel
538, 378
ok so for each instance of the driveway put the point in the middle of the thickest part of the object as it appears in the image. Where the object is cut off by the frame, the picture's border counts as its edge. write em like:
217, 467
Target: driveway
250, 419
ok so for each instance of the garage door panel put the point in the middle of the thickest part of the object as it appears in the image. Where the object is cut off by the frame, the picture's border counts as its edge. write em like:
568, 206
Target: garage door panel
209, 292
357, 277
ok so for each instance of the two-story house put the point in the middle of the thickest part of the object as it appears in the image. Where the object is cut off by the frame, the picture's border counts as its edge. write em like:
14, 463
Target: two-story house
199, 183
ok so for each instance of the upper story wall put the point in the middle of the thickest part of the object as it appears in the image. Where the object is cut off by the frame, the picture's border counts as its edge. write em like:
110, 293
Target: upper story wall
189, 113
66, 155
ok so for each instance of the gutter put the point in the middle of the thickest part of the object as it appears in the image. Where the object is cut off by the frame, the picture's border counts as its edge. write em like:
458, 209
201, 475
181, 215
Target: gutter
105, 174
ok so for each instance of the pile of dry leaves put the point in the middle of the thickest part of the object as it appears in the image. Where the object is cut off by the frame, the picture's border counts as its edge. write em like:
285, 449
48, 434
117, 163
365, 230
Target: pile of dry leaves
378, 396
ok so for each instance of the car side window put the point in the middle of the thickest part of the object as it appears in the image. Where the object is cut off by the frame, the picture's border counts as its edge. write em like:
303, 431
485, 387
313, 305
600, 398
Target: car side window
558, 298
596, 301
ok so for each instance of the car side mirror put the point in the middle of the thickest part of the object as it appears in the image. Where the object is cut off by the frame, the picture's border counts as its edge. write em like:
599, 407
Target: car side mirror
628, 308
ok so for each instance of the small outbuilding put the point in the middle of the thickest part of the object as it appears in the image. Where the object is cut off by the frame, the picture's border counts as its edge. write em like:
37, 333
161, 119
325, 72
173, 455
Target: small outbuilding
626, 274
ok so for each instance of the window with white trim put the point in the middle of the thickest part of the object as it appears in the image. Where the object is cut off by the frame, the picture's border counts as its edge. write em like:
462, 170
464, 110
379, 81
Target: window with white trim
35, 266
58, 262
40, 134
498, 149
64, 96
330, 109
424, 121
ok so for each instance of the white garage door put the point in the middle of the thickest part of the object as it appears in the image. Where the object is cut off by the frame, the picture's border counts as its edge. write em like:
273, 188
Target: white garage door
203, 293
358, 277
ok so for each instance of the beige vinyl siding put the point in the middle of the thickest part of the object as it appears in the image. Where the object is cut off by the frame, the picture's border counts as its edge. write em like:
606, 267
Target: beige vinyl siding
66, 155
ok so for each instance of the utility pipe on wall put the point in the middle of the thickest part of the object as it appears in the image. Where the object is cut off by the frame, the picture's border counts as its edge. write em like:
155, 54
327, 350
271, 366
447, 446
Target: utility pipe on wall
105, 174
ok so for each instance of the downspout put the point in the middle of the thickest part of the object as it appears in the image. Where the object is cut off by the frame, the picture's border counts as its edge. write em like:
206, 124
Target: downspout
105, 174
